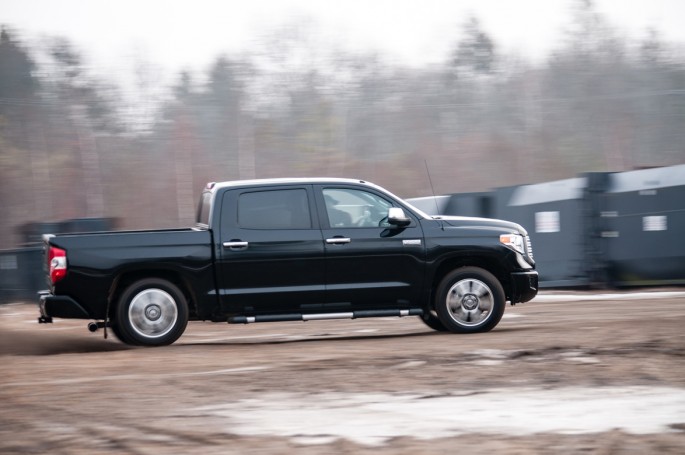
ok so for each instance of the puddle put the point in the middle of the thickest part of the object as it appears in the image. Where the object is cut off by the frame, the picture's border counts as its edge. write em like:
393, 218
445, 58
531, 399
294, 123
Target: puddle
372, 419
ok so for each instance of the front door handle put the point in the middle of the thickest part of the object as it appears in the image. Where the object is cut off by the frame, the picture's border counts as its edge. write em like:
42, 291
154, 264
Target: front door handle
338, 240
235, 244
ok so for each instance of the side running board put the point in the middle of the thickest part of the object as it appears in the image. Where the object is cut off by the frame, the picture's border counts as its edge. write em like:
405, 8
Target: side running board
321, 316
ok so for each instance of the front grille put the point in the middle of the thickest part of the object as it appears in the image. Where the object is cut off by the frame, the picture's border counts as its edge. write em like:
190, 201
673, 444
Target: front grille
529, 248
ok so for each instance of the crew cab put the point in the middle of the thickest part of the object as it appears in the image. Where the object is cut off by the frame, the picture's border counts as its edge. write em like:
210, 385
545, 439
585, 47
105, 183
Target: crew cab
290, 250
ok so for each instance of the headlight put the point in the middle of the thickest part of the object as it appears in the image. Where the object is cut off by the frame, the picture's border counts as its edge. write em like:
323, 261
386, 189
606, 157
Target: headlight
514, 241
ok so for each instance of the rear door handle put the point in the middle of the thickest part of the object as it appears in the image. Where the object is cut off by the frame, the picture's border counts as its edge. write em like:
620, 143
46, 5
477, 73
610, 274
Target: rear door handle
235, 245
338, 240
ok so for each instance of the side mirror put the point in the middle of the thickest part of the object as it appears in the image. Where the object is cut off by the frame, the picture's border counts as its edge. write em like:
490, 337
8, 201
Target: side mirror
396, 217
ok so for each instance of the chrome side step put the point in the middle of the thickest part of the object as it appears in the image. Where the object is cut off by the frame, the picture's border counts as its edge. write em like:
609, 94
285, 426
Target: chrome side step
322, 316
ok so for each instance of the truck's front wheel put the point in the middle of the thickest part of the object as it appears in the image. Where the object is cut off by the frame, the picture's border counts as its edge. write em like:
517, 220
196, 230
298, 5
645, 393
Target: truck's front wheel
432, 321
151, 312
470, 299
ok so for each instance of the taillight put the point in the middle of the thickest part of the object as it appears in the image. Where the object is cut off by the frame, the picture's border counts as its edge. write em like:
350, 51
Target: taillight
57, 261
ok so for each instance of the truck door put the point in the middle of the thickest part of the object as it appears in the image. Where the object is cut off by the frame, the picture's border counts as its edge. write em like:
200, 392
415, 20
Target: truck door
369, 263
272, 255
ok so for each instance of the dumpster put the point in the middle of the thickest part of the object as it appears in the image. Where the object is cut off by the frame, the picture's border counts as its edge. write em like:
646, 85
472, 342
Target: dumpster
21, 274
479, 204
431, 205
644, 221
555, 216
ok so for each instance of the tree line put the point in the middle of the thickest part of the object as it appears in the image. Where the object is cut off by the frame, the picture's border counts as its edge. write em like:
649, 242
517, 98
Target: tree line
71, 148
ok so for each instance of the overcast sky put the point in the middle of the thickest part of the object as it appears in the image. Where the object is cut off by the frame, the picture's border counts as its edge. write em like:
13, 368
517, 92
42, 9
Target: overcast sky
175, 34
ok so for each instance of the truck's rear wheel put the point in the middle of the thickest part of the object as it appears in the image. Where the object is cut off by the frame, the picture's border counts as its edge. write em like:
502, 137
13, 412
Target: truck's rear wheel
469, 300
117, 332
151, 312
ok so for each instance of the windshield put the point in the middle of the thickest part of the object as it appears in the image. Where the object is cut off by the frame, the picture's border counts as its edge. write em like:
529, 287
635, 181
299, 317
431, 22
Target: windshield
417, 211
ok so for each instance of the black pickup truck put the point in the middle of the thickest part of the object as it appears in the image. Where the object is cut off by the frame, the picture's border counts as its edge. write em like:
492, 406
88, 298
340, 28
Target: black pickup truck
291, 250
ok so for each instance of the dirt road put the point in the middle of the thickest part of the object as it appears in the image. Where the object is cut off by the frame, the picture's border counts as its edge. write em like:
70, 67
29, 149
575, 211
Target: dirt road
571, 373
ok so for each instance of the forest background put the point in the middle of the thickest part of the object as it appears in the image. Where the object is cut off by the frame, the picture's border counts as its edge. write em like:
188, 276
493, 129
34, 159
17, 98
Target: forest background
73, 145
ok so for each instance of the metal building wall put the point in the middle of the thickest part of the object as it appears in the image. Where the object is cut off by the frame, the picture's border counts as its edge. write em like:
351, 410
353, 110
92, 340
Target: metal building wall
471, 204
643, 227
554, 214
598, 229
479, 204
431, 205
21, 269
21, 274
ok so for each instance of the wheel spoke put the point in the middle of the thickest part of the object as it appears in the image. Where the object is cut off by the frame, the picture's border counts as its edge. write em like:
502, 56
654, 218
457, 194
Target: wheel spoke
479, 315
462, 315
480, 290
485, 303
462, 288
453, 301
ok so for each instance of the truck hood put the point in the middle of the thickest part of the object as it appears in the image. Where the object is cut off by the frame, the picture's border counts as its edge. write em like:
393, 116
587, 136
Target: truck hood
482, 223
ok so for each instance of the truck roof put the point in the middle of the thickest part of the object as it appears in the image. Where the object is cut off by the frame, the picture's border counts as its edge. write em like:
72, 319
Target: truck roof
284, 181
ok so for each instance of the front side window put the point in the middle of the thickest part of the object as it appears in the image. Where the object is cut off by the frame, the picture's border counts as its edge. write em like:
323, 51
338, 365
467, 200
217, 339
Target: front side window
355, 208
274, 209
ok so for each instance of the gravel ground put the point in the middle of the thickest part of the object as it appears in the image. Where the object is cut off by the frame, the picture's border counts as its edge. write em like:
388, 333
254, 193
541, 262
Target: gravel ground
572, 372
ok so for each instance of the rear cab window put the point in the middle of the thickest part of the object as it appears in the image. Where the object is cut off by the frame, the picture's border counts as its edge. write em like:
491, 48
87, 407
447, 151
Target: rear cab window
204, 209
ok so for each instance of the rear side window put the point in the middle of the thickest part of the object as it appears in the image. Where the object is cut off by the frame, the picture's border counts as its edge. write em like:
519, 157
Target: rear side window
274, 209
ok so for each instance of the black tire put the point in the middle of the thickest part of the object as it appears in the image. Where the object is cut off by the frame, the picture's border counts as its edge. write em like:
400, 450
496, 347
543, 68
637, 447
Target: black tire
431, 320
470, 300
117, 333
151, 312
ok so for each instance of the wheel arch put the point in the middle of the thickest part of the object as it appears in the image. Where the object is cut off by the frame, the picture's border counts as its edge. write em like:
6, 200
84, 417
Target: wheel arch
489, 264
126, 278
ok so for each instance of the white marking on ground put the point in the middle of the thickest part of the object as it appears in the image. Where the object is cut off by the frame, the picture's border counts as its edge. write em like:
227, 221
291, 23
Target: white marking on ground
487, 362
373, 419
409, 364
588, 360
202, 336
135, 377
544, 296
